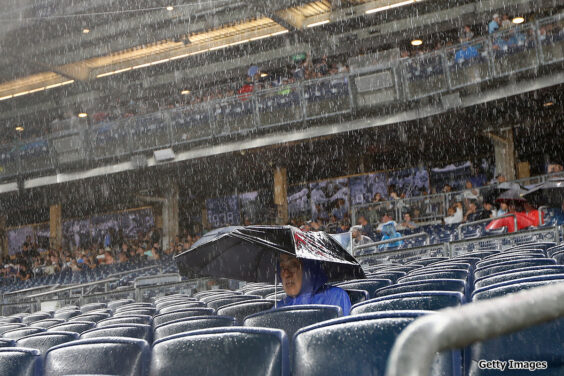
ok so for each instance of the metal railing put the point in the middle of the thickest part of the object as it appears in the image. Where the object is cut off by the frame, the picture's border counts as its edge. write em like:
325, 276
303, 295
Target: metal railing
453, 328
523, 47
459, 228
376, 244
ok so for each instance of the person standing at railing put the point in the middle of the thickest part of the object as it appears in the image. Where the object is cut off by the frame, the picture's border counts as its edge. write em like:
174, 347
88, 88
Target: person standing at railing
493, 26
389, 231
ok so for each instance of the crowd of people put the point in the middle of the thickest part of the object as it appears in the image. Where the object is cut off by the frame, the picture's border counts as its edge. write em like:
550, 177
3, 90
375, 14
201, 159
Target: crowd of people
32, 261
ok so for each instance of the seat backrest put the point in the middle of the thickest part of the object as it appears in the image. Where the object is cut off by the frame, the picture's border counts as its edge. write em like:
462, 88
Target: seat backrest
240, 310
498, 260
504, 266
447, 273
94, 317
357, 296
515, 285
191, 323
430, 260
92, 306
133, 306
16, 334
99, 356
391, 275
45, 340
139, 311
75, 326
517, 274
426, 285
370, 285
262, 291
201, 294
219, 302
18, 361
420, 300
46, 323
208, 298
114, 304
36, 317
181, 306
222, 351
290, 319
358, 345
9, 320
168, 303
66, 314
441, 268
141, 331
5, 327
163, 318
5, 342
131, 319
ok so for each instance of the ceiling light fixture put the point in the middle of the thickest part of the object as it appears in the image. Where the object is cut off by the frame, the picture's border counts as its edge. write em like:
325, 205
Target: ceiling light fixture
264, 75
518, 20
19, 128
169, 8
85, 31
390, 6
416, 42
82, 115
15, 95
318, 23
185, 92
548, 104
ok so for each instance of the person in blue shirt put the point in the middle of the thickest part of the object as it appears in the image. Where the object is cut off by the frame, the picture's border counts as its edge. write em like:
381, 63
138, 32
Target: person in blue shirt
389, 231
493, 26
304, 282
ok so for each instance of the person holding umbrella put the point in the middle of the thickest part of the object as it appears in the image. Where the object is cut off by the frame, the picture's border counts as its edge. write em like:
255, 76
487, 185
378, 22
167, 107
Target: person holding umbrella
304, 282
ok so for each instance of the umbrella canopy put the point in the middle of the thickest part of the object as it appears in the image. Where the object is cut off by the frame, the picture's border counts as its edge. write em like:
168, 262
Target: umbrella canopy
550, 193
511, 195
251, 254
492, 192
214, 234
523, 221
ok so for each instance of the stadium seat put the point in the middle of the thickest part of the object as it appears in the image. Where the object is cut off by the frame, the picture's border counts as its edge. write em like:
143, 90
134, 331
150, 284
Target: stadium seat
208, 298
192, 323
291, 318
66, 314
417, 300
94, 317
114, 304
426, 285
35, 317
263, 291
219, 302
511, 286
92, 306
182, 306
98, 356
357, 296
138, 311
75, 326
140, 331
441, 267
447, 273
222, 351
6, 327
9, 320
497, 260
504, 266
132, 306
518, 273
429, 260
370, 285
202, 294
4, 342
168, 303
391, 275
240, 310
358, 345
46, 323
131, 319
18, 333
18, 361
163, 318
45, 340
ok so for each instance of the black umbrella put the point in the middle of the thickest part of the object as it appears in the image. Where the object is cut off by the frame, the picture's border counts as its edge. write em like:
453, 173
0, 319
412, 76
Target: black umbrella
511, 195
550, 193
251, 254
492, 193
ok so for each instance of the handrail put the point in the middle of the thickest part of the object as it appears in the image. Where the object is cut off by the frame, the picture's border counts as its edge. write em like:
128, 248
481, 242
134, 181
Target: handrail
73, 287
540, 209
417, 345
126, 272
371, 245
459, 228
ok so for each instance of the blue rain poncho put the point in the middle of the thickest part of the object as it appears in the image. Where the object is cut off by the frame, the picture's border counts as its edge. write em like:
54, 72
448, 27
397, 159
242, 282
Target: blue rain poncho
389, 231
315, 291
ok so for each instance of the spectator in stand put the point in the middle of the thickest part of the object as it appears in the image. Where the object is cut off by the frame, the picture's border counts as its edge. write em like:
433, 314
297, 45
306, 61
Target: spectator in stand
466, 34
358, 238
500, 178
407, 222
503, 209
490, 210
377, 197
344, 226
366, 227
389, 231
505, 22
493, 26
455, 214
386, 218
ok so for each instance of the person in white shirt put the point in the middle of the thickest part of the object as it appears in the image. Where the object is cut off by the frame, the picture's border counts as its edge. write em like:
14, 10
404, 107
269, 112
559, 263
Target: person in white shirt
455, 214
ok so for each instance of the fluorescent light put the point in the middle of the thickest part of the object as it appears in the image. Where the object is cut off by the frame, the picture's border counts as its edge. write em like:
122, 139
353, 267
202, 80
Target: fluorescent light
141, 66
416, 42
36, 90
548, 104
185, 92
85, 31
59, 84
518, 20
19, 128
160, 61
264, 74
386, 7
6, 97
82, 115
169, 8
113, 72
21, 93
318, 23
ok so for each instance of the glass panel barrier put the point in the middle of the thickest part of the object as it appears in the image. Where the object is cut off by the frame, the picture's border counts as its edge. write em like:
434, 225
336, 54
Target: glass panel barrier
514, 50
35, 156
468, 63
551, 38
424, 75
149, 132
110, 139
281, 105
8, 161
327, 96
190, 124
233, 115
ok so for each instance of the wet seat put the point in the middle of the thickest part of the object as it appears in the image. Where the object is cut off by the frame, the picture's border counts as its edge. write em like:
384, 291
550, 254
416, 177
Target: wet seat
192, 323
18, 361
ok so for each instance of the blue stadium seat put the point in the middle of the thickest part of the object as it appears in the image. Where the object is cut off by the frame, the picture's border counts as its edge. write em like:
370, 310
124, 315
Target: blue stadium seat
511, 286
370, 285
357, 296
441, 267
391, 275
35, 317
358, 345
221, 351
18, 361
114, 304
132, 306
9, 320
505, 266
192, 323
75, 326
140, 331
208, 298
430, 260
240, 310
505, 258
94, 317
66, 314
163, 318
131, 319
446, 273
172, 302
426, 285
6, 327
18, 333
5, 342
262, 291
518, 273
92, 306
417, 300
98, 356
219, 302
291, 318
46, 323
45, 340
182, 306
138, 311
